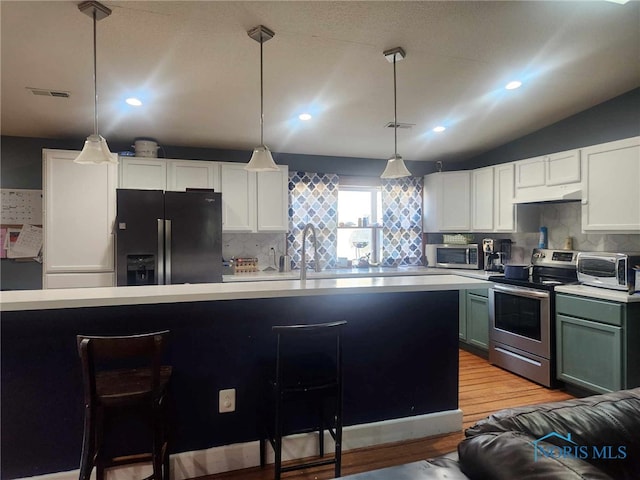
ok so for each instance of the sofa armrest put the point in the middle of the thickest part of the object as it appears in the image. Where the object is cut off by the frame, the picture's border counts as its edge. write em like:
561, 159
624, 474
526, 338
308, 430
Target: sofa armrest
603, 424
511, 455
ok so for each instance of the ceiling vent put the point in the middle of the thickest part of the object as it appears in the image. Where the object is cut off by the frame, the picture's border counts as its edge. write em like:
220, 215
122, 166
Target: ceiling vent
400, 125
49, 93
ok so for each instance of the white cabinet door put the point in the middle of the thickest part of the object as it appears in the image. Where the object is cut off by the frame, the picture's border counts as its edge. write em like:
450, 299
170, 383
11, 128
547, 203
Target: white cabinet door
79, 213
446, 200
482, 207
455, 202
530, 173
238, 187
563, 168
503, 199
143, 173
183, 174
273, 200
611, 197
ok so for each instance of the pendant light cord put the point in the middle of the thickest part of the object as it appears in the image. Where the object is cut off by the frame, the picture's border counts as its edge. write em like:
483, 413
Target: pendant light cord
261, 97
395, 111
95, 77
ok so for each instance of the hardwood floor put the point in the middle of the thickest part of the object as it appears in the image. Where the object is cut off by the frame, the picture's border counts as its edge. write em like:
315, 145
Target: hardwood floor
483, 390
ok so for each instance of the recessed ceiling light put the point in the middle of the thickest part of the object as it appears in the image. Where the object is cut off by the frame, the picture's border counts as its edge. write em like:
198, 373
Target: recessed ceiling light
439, 129
513, 85
133, 102
304, 116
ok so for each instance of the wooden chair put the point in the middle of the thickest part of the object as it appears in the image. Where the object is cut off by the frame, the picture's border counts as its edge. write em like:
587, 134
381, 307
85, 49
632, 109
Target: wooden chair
308, 373
137, 383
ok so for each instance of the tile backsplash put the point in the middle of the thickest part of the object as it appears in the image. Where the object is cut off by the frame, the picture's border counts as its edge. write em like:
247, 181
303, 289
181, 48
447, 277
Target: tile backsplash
254, 245
564, 220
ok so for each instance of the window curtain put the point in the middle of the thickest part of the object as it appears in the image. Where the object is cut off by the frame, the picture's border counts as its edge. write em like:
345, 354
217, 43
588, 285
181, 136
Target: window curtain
402, 221
313, 198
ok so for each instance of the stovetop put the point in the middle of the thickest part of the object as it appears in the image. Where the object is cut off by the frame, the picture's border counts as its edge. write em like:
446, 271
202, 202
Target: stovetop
550, 269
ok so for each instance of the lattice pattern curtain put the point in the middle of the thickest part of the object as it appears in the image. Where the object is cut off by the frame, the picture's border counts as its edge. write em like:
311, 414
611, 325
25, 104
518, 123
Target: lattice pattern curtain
313, 198
402, 221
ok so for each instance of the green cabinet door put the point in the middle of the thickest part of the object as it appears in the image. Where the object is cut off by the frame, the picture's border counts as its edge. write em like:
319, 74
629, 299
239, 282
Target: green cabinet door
478, 320
589, 354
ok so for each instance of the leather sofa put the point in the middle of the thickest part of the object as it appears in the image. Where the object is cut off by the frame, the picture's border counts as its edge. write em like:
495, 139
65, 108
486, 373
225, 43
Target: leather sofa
596, 437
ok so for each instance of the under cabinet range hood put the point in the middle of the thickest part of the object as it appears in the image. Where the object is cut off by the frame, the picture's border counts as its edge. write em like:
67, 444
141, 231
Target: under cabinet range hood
560, 193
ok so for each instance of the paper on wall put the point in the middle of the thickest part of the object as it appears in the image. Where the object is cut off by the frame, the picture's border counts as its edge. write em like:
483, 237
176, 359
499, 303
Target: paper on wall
29, 242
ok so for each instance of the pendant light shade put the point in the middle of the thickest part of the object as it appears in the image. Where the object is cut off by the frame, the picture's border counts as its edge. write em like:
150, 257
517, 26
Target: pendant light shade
261, 160
395, 165
95, 150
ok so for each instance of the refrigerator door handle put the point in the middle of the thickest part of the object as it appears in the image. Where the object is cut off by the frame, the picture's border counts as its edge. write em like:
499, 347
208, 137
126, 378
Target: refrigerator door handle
160, 256
167, 246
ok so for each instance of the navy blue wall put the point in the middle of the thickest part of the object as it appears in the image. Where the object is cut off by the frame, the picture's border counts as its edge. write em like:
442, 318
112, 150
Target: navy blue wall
613, 120
400, 360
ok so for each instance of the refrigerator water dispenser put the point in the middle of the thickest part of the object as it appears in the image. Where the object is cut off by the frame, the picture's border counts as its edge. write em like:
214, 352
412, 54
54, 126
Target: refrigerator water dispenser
141, 269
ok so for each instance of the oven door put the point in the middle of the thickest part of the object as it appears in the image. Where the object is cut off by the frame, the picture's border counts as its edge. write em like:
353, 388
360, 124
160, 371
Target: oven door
521, 318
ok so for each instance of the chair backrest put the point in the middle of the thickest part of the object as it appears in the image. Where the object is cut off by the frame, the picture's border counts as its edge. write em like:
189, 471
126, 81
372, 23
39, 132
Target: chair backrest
309, 352
98, 353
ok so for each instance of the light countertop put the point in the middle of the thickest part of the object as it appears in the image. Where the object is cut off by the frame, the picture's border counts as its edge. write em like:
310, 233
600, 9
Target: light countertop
600, 293
152, 294
355, 272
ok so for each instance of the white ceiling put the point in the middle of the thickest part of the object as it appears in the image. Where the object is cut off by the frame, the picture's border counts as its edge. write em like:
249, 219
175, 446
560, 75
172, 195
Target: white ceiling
198, 72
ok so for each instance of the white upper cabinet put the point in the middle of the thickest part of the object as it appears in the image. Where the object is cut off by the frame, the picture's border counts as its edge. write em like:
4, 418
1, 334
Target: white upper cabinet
79, 212
447, 202
238, 187
611, 200
482, 199
168, 174
503, 198
563, 168
143, 173
549, 178
273, 200
254, 202
183, 174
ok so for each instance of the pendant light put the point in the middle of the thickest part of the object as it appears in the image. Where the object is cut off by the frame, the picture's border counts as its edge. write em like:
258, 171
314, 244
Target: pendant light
261, 160
95, 148
395, 165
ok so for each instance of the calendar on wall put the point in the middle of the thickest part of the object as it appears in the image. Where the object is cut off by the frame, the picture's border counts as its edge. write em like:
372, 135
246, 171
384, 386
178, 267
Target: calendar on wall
19, 207
20, 215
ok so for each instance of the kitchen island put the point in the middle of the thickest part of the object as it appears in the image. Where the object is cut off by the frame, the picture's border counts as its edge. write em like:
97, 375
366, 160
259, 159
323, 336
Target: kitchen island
400, 362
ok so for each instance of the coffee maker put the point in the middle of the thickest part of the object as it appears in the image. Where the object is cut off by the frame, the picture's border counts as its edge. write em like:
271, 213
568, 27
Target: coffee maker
495, 253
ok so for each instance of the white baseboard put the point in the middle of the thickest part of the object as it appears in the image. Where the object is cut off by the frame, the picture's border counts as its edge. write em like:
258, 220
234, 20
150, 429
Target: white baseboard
244, 455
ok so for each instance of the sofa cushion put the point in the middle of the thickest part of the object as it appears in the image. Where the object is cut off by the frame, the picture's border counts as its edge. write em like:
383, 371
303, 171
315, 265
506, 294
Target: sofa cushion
607, 426
511, 455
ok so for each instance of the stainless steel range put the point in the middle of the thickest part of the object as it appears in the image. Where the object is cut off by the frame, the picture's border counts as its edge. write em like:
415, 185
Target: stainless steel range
522, 316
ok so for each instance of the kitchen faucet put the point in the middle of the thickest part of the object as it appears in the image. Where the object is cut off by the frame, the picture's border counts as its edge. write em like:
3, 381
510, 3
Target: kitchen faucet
316, 261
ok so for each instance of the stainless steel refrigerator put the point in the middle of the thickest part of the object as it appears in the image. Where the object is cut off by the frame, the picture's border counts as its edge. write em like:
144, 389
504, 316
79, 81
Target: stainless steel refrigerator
168, 237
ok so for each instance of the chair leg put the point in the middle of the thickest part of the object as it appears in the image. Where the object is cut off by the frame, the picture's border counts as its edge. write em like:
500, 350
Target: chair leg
338, 439
263, 452
99, 458
277, 449
88, 442
321, 430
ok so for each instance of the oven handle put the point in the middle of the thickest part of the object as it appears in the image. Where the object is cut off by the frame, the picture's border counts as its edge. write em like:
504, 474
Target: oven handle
521, 292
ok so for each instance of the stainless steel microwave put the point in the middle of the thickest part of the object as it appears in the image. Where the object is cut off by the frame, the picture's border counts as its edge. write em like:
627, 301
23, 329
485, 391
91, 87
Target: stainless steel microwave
608, 270
467, 256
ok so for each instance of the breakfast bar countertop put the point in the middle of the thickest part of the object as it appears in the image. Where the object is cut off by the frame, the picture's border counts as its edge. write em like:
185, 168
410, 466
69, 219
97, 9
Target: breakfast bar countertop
156, 294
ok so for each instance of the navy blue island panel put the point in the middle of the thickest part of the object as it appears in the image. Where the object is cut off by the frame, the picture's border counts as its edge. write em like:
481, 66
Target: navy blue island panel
400, 360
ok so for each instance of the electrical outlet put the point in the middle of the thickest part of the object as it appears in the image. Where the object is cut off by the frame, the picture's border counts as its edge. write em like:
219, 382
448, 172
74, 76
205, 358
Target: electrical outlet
227, 400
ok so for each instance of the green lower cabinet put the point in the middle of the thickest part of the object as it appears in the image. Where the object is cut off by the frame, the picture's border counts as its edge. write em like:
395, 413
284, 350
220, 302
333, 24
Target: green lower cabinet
474, 318
597, 343
589, 354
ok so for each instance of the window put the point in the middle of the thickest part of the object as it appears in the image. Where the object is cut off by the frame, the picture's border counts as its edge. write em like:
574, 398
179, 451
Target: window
359, 223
